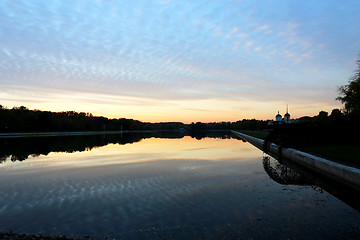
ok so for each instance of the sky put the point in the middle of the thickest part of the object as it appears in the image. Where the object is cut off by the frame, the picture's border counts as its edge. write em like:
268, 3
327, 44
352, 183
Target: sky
169, 60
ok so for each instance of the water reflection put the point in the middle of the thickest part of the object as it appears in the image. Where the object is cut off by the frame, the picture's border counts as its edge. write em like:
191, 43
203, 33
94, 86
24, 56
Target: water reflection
166, 187
19, 149
284, 174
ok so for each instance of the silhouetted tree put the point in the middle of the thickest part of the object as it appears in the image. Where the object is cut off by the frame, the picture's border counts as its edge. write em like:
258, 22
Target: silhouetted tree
350, 94
336, 115
199, 126
249, 124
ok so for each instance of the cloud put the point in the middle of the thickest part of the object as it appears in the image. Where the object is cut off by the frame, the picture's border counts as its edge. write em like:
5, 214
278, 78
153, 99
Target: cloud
262, 28
173, 51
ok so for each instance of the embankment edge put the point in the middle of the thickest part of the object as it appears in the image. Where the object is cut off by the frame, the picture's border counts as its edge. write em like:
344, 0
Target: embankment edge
339, 172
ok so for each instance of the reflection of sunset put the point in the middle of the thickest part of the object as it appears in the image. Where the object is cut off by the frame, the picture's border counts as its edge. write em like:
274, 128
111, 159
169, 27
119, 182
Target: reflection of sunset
149, 149
179, 188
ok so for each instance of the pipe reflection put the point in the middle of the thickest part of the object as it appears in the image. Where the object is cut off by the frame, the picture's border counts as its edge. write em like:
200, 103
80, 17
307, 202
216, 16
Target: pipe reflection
283, 174
287, 173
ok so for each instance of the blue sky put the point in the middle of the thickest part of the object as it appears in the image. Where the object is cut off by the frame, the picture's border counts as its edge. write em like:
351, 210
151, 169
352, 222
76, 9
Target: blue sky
177, 60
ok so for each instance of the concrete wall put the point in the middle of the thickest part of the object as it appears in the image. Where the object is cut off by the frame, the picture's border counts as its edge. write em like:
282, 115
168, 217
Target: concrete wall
339, 172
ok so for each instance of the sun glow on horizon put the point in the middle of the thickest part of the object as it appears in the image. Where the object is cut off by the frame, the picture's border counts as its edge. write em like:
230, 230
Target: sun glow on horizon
183, 111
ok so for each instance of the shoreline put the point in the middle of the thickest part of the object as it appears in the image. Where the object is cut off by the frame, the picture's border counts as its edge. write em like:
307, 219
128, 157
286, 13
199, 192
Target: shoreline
57, 134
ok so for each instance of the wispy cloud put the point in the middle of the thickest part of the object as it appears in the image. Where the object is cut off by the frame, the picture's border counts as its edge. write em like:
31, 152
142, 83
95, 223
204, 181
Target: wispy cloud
168, 51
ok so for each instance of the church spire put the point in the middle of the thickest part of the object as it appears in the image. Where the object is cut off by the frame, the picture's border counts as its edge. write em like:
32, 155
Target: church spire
287, 115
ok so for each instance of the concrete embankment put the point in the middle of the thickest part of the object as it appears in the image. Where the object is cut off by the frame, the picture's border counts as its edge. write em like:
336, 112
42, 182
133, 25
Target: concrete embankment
339, 172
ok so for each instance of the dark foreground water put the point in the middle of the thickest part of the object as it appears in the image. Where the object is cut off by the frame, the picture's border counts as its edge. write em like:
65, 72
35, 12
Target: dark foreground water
164, 188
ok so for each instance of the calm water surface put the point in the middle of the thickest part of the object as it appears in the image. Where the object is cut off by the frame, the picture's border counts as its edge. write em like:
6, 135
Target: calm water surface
162, 188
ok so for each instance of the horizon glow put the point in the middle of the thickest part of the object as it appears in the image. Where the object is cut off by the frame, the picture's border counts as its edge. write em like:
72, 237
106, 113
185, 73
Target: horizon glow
162, 61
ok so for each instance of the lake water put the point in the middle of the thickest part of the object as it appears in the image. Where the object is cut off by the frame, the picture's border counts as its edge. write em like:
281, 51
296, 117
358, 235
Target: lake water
137, 186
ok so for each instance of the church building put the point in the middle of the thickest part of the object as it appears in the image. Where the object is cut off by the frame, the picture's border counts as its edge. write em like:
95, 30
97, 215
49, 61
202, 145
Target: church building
286, 119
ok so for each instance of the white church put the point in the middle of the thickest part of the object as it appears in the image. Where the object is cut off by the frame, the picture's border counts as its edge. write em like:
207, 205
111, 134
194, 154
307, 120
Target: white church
280, 119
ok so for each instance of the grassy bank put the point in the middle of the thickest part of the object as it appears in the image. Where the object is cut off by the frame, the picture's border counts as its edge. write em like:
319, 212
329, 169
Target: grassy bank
348, 154
257, 134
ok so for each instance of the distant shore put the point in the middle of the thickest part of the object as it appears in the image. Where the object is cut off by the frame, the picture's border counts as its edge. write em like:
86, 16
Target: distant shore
55, 134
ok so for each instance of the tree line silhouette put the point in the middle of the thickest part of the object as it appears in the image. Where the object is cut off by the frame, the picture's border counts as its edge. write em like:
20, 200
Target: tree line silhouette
22, 119
323, 129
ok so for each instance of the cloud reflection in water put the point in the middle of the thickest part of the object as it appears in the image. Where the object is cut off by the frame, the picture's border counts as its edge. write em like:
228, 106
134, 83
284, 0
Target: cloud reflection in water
160, 186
